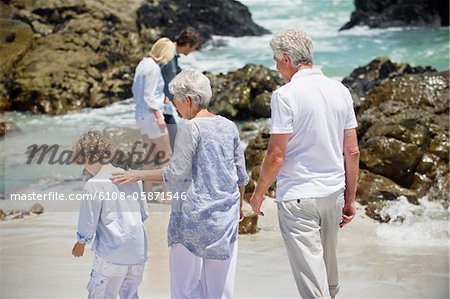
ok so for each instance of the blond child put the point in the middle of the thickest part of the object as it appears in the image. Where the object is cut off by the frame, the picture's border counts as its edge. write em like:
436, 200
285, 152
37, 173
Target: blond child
112, 216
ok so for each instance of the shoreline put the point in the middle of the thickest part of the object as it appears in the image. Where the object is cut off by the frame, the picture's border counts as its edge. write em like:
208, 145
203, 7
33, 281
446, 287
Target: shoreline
35, 258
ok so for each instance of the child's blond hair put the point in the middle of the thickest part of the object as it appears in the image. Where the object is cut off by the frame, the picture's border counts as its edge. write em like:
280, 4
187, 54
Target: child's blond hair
91, 147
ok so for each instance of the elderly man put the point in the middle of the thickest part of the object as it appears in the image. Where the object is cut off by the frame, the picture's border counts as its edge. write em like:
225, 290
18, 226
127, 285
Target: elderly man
313, 152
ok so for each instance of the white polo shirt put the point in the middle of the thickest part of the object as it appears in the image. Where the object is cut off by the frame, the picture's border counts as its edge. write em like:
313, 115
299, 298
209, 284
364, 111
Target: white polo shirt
315, 110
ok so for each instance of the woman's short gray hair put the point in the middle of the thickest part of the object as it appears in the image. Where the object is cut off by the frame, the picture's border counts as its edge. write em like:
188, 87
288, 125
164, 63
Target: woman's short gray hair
294, 43
192, 84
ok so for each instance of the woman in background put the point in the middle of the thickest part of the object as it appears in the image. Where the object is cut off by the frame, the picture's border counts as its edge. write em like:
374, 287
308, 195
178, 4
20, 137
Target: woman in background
148, 95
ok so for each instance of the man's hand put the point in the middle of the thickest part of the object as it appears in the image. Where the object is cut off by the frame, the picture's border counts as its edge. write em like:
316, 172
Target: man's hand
78, 249
348, 213
166, 100
256, 202
129, 176
241, 214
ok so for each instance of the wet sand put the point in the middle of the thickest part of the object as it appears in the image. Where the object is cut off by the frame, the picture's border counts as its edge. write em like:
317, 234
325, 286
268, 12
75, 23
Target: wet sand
36, 261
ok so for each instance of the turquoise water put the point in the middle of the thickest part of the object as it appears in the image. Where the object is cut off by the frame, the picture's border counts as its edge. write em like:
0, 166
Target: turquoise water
338, 53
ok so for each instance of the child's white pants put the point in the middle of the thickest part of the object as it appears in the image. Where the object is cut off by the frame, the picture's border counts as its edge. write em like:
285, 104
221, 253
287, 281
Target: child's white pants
109, 280
193, 277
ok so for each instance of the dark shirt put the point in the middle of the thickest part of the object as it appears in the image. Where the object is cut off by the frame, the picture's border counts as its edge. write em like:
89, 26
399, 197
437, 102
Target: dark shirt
169, 71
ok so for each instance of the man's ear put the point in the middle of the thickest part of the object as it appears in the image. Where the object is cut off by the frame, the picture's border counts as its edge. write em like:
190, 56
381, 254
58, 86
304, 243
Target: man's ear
286, 59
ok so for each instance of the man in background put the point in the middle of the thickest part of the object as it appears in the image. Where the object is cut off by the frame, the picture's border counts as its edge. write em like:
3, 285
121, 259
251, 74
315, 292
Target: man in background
185, 43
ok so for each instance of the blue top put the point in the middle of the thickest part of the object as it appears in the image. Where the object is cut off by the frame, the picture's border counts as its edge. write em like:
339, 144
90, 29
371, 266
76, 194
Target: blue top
110, 214
207, 167
148, 87
169, 71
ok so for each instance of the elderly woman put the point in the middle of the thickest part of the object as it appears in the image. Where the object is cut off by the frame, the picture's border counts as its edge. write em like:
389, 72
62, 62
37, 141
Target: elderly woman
206, 176
148, 95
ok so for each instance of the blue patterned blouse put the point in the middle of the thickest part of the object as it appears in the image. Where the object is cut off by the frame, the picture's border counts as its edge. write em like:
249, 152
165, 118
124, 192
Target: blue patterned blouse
208, 165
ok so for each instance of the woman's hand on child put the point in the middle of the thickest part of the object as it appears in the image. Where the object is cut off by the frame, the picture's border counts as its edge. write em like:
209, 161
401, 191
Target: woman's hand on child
78, 249
129, 176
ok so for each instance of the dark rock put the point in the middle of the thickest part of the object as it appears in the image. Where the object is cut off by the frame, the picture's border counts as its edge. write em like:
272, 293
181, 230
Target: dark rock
209, 17
374, 210
421, 184
440, 191
245, 93
256, 149
403, 131
364, 78
399, 13
8, 128
376, 188
36, 209
249, 190
249, 225
15, 38
249, 126
72, 34
391, 158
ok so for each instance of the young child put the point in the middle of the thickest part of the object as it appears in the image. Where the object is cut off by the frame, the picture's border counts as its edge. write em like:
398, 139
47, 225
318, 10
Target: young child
113, 216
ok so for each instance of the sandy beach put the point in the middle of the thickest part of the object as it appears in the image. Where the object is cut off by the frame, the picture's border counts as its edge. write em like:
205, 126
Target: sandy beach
36, 261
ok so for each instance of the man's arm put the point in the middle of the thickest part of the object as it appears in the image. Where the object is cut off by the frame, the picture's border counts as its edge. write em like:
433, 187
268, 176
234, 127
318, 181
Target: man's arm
270, 168
351, 160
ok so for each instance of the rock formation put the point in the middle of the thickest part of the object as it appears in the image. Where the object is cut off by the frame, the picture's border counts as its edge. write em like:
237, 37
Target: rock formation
399, 13
59, 55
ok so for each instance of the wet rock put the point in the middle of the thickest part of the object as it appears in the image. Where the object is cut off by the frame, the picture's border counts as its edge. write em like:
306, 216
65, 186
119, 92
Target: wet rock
365, 78
440, 191
249, 190
403, 122
245, 93
391, 158
36, 209
421, 184
8, 129
256, 149
209, 17
249, 126
15, 39
440, 146
399, 13
250, 223
376, 188
94, 47
74, 34
374, 210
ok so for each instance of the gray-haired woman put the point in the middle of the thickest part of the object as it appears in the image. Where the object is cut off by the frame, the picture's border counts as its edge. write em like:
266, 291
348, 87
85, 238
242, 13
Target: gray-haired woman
206, 176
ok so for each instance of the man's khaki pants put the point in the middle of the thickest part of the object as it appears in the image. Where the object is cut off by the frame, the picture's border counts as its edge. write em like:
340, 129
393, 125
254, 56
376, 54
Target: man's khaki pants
309, 227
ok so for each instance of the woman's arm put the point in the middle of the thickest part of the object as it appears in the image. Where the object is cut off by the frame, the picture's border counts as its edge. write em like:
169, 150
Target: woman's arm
131, 176
241, 198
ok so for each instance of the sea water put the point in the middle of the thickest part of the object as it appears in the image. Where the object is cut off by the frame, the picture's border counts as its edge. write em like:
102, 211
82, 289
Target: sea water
337, 53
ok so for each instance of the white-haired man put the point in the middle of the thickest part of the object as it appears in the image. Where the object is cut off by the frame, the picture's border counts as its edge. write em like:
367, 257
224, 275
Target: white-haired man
313, 152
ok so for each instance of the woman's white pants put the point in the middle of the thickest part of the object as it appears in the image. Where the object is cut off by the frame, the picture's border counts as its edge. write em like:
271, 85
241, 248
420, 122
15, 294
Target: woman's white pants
193, 277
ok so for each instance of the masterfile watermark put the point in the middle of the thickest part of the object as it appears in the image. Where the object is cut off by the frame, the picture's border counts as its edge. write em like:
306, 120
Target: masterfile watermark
55, 155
